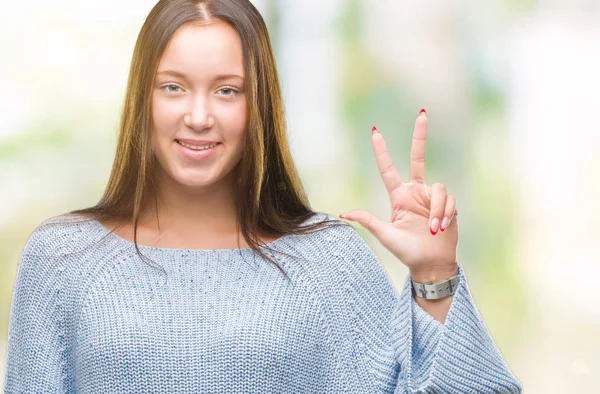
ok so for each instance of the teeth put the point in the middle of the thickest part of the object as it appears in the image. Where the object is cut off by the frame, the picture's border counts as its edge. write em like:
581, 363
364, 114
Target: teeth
195, 147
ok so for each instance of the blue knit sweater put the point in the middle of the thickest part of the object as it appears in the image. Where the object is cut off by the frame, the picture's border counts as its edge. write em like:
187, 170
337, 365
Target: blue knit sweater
91, 317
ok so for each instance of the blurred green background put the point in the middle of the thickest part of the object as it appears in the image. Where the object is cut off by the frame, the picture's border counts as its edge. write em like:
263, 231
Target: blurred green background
511, 90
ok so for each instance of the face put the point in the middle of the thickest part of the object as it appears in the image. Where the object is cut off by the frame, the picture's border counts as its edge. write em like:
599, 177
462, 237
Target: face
199, 105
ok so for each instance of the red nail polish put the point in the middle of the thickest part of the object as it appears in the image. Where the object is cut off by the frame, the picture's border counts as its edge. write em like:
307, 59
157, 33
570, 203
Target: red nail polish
442, 229
423, 110
374, 130
431, 231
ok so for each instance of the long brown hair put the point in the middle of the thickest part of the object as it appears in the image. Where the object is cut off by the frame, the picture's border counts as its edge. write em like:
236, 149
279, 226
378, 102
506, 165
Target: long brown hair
269, 194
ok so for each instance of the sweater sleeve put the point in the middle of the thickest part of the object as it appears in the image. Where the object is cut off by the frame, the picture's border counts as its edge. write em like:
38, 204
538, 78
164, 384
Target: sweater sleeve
404, 348
459, 356
35, 359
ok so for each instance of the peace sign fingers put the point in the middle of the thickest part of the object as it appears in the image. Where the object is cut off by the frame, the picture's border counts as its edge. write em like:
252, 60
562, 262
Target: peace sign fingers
418, 212
418, 149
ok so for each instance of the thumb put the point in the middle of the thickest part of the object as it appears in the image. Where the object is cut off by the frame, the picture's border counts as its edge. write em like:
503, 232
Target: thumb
365, 219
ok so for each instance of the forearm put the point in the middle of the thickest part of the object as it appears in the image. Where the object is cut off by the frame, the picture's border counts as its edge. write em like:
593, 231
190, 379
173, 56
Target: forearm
436, 308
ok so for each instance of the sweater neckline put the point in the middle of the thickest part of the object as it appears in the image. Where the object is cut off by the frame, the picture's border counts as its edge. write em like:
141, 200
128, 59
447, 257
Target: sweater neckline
161, 250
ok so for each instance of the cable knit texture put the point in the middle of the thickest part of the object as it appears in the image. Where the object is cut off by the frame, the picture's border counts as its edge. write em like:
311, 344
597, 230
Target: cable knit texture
89, 316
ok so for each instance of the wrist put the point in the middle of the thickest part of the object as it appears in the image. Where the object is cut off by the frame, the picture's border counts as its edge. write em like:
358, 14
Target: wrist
434, 273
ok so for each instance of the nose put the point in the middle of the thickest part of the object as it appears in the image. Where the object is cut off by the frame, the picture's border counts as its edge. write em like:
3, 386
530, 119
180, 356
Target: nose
199, 115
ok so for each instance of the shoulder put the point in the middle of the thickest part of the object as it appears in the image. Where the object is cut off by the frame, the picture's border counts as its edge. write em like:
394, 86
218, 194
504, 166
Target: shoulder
46, 274
344, 265
348, 253
53, 252
60, 235
333, 242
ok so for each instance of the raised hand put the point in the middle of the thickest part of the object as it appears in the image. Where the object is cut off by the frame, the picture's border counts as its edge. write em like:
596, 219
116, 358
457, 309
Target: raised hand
423, 230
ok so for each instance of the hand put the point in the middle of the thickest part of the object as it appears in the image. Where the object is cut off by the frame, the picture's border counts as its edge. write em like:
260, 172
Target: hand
414, 235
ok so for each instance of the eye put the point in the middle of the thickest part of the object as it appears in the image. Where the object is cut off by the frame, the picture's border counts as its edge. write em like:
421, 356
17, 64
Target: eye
228, 91
170, 85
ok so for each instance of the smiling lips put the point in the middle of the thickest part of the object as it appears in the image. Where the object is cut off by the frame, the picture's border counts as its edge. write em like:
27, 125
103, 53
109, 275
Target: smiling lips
198, 149
196, 142
197, 146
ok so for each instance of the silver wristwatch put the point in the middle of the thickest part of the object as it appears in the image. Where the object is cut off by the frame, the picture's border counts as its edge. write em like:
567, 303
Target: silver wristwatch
435, 290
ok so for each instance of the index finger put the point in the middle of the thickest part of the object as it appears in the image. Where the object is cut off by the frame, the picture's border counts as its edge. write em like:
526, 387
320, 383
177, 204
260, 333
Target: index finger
418, 149
388, 172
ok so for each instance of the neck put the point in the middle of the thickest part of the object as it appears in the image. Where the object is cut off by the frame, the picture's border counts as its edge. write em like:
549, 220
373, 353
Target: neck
210, 210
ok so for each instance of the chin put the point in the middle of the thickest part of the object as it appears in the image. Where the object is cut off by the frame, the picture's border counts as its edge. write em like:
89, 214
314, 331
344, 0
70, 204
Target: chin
195, 181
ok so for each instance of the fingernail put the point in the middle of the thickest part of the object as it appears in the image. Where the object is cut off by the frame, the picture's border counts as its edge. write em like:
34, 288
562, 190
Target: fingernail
444, 224
435, 226
423, 112
374, 130
342, 216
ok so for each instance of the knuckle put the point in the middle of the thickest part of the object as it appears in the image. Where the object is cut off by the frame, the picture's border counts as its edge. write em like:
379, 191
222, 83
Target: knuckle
439, 187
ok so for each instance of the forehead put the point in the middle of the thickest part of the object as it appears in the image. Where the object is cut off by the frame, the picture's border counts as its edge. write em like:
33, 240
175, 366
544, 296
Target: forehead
201, 50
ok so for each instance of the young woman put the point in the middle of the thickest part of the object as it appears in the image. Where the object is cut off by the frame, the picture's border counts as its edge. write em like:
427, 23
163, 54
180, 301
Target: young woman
203, 268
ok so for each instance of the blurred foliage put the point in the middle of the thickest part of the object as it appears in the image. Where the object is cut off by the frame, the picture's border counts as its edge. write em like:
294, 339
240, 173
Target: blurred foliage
368, 99
520, 6
16, 146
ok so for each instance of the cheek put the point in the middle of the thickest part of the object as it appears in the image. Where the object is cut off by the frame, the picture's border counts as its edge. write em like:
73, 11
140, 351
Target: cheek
164, 114
163, 119
234, 122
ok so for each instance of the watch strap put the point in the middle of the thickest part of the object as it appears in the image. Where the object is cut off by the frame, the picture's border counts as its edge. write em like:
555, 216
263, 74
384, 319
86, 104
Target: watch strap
435, 290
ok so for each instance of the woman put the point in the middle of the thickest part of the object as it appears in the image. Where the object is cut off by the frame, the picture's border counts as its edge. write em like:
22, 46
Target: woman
259, 293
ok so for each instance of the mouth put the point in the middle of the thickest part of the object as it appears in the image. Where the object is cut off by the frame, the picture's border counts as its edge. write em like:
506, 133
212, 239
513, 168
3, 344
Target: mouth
197, 147
197, 152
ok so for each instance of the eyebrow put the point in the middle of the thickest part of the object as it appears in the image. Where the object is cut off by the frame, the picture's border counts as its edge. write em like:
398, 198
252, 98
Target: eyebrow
182, 75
